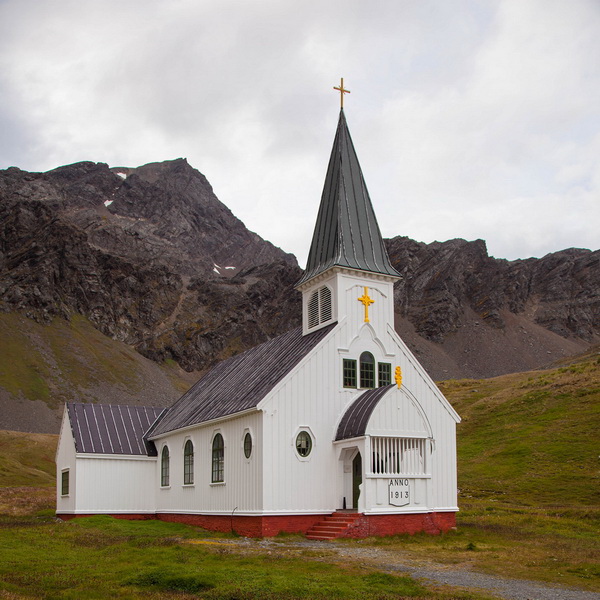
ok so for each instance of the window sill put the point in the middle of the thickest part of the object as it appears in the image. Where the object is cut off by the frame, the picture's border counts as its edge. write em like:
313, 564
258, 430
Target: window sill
217, 483
165, 487
188, 485
65, 495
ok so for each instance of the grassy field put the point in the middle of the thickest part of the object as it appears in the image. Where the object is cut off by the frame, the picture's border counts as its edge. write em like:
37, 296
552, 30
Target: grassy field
528, 477
101, 558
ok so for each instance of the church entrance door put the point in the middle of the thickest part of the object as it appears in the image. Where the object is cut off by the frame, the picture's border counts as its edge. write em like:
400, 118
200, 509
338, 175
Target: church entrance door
356, 479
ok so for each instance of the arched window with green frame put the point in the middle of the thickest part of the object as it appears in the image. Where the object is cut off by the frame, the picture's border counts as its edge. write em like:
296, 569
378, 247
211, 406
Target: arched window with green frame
367, 370
188, 463
164, 467
218, 459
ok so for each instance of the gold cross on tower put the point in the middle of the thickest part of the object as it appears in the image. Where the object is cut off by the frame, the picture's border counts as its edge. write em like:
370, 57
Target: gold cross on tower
342, 91
367, 302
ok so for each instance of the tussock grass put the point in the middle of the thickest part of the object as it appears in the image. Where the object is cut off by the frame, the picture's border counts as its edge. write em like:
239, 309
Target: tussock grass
101, 557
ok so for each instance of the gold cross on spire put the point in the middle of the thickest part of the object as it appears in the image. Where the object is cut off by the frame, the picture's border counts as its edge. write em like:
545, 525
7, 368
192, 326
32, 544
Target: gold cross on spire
367, 302
342, 91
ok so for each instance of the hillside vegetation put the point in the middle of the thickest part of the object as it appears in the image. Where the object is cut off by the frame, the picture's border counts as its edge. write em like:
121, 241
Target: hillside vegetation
531, 438
44, 366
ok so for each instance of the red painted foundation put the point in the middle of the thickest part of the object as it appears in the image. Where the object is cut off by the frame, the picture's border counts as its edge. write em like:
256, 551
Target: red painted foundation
381, 525
128, 516
268, 526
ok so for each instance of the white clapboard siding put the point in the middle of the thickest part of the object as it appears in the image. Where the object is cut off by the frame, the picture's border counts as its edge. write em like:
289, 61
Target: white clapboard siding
312, 398
65, 460
115, 484
241, 491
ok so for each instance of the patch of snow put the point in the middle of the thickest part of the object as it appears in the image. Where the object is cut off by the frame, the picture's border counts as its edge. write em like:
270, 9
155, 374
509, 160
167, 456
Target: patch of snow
216, 265
122, 175
217, 271
108, 202
231, 267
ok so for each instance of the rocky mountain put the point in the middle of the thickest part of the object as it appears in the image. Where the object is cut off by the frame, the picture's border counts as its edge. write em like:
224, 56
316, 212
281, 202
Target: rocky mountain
149, 255
467, 314
152, 259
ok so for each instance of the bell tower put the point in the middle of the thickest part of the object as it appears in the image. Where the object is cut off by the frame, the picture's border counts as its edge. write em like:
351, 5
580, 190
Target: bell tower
348, 274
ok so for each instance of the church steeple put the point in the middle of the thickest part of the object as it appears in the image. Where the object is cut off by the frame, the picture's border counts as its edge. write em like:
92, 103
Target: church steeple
346, 233
348, 266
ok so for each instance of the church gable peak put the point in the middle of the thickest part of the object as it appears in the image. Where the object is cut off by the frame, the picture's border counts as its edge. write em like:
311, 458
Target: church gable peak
346, 233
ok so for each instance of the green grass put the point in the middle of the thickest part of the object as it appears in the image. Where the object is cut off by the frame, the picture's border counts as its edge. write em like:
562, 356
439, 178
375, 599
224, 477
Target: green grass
530, 438
557, 546
101, 557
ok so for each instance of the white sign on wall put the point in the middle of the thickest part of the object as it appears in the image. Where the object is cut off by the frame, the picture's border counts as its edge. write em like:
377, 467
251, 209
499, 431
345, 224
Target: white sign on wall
399, 490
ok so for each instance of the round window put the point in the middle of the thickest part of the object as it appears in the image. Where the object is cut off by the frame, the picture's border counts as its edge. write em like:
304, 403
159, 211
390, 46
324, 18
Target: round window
303, 443
247, 445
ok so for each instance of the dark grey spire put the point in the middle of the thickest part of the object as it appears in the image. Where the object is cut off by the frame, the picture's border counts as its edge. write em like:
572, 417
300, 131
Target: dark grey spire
346, 233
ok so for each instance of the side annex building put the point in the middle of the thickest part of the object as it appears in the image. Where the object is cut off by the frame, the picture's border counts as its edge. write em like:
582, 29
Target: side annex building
332, 429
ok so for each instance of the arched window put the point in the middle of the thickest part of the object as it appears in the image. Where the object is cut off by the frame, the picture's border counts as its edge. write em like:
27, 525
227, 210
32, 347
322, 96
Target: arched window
367, 370
218, 459
188, 463
164, 467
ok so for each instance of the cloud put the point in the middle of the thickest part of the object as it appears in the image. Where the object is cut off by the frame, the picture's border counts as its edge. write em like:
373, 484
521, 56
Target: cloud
471, 119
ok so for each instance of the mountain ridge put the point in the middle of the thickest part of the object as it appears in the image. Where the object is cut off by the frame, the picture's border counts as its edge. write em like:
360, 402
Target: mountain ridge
153, 259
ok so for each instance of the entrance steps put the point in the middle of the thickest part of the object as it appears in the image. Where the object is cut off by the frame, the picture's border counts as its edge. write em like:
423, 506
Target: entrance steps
332, 526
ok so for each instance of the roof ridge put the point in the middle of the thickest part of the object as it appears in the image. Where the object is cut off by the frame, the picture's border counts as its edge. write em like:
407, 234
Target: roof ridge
240, 382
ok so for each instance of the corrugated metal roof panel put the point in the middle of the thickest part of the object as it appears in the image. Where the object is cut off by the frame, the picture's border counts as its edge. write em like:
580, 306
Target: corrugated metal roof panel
356, 418
346, 233
241, 382
111, 428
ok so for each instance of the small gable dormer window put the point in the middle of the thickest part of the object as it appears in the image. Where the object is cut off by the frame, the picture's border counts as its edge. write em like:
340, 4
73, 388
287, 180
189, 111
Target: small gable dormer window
319, 307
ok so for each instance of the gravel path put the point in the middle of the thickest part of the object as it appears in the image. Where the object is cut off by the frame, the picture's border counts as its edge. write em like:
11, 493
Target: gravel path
428, 572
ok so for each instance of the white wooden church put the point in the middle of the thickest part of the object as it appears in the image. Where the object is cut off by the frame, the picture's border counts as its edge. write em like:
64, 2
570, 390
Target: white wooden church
332, 429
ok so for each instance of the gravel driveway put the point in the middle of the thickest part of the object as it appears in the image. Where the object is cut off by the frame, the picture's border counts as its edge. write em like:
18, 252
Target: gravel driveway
395, 562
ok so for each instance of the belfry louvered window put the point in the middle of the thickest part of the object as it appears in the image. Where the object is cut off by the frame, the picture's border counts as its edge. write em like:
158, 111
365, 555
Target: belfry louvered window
397, 456
320, 309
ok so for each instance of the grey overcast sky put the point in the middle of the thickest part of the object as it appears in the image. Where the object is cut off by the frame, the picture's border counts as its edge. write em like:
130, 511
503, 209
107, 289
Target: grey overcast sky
471, 118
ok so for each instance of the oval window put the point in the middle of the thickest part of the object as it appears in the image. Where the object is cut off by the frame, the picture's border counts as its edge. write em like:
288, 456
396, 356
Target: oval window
303, 443
247, 445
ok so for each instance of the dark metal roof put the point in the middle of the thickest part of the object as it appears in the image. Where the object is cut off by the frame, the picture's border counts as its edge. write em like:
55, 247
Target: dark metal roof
346, 233
356, 418
111, 428
239, 383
